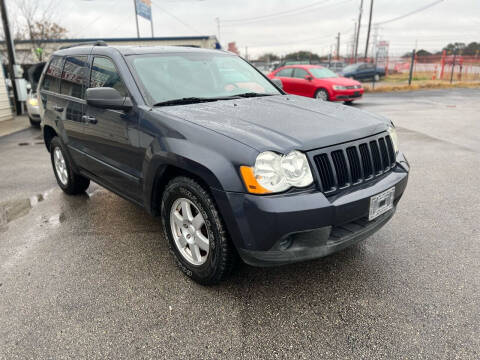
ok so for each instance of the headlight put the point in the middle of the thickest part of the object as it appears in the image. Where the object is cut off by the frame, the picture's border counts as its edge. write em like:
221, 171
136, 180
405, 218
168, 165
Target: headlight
339, 87
393, 135
275, 173
358, 86
33, 101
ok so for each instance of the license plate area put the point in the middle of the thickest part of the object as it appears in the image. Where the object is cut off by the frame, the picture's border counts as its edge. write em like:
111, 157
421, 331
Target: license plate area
381, 203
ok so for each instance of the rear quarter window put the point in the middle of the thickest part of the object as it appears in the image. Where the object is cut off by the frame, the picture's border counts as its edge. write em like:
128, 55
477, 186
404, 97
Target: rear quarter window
53, 74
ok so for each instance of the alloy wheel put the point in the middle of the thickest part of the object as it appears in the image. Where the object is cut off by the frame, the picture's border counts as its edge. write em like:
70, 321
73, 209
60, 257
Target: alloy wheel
189, 231
60, 166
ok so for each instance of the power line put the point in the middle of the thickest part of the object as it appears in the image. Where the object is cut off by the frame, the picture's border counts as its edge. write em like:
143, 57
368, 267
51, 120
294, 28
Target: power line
176, 18
286, 12
410, 13
291, 12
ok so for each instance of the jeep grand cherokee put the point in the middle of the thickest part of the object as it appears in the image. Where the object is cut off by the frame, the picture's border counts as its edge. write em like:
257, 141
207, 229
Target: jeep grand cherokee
232, 164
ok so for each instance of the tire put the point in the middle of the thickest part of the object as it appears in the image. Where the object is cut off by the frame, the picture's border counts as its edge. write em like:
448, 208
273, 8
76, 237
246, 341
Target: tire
376, 77
70, 182
216, 257
321, 94
349, 102
34, 123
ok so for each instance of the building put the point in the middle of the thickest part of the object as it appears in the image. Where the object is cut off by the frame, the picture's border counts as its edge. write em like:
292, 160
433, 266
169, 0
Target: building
25, 53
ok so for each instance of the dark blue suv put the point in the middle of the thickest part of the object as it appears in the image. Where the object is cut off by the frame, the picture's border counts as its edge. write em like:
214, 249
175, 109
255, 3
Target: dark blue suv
233, 165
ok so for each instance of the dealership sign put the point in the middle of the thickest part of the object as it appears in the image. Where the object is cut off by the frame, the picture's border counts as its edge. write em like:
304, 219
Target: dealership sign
144, 8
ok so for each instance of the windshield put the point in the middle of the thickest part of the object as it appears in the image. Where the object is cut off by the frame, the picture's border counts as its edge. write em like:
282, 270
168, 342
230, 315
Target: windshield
322, 73
350, 68
174, 76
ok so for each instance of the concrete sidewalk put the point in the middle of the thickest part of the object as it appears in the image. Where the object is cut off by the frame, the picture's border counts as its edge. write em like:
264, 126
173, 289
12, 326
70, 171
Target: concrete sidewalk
18, 123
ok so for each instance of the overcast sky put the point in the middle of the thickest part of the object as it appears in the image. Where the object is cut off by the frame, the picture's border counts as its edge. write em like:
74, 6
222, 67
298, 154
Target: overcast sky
293, 24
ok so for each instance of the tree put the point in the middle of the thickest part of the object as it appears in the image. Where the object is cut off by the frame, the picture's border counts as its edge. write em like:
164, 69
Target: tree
36, 24
268, 57
302, 56
450, 48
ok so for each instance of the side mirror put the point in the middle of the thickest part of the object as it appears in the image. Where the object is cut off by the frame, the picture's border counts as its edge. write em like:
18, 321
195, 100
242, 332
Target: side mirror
278, 83
108, 98
308, 77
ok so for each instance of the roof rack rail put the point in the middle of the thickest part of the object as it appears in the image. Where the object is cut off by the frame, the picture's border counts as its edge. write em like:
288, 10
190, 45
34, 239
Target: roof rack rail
93, 43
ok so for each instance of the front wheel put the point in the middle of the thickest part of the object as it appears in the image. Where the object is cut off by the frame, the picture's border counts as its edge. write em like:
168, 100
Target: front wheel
195, 232
70, 182
321, 94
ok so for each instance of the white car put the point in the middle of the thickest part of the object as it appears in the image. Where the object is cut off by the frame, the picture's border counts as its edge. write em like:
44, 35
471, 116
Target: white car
33, 110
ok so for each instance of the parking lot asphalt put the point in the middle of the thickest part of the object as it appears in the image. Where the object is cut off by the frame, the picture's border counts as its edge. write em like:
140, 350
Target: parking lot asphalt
91, 276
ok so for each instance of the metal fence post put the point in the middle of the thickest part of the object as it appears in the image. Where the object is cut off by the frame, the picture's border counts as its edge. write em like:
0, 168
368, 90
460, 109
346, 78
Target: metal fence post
411, 68
453, 65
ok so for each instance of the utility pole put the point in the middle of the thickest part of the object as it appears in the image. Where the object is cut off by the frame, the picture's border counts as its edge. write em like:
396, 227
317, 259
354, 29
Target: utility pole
338, 46
358, 29
136, 19
369, 26
353, 41
217, 19
11, 56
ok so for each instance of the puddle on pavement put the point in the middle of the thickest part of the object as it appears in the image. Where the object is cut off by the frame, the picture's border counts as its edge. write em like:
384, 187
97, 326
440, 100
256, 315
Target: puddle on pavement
31, 143
16, 208
54, 220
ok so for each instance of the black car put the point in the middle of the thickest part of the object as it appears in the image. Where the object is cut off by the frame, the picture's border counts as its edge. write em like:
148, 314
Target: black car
363, 71
234, 166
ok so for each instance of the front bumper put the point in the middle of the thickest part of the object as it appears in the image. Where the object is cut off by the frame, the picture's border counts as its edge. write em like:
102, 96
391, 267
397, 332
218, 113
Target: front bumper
347, 95
298, 226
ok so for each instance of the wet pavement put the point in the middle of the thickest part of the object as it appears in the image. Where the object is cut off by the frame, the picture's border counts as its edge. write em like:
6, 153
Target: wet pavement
91, 276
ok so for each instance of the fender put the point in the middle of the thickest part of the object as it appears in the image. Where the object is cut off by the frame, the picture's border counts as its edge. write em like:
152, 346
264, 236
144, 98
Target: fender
215, 168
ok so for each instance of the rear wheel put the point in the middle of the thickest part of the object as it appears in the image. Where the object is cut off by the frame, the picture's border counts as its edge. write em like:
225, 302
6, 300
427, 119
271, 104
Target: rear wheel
321, 94
70, 182
195, 232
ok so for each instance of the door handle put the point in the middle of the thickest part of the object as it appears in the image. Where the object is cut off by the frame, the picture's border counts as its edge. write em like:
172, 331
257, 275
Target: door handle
89, 119
58, 108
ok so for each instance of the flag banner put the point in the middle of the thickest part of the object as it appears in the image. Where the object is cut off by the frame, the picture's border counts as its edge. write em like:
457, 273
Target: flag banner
144, 8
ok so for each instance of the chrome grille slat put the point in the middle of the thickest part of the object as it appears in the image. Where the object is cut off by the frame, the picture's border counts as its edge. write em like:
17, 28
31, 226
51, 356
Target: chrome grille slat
343, 166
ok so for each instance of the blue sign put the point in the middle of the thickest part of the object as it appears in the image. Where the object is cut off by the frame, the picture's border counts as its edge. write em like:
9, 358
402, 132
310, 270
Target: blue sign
144, 8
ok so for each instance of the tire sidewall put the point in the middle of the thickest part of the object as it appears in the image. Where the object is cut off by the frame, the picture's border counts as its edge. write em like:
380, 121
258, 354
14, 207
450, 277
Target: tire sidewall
183, 189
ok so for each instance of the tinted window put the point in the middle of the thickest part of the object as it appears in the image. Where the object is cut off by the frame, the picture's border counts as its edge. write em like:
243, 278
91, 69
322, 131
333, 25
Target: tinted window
300, 73
285, 72
105, 74
323, 73
74, 76
53, 74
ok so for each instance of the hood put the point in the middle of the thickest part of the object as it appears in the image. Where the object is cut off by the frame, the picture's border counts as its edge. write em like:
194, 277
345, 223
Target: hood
340, 81
281, 123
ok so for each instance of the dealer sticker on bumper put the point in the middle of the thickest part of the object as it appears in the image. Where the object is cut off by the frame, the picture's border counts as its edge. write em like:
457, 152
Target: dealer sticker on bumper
381, 203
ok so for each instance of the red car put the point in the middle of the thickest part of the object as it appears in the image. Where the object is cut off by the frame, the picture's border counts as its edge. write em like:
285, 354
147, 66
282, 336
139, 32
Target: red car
317, 82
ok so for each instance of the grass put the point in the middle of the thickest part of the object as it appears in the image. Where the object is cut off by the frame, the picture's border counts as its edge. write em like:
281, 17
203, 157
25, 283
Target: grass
387, 86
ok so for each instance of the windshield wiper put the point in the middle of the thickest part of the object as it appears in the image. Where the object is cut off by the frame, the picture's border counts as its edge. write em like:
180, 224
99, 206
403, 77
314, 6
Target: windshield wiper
252, 94
184, 101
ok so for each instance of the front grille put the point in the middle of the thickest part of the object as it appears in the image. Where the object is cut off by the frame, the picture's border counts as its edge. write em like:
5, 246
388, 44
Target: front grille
340, 167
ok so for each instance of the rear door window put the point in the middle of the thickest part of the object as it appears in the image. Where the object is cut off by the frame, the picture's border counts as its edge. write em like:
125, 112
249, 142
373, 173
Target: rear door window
53, 74
74, 76
105, 74
300, 73
285, 72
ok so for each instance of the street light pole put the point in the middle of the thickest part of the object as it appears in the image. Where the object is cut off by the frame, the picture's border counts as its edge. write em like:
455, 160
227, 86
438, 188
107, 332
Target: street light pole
136, 18
11, 56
